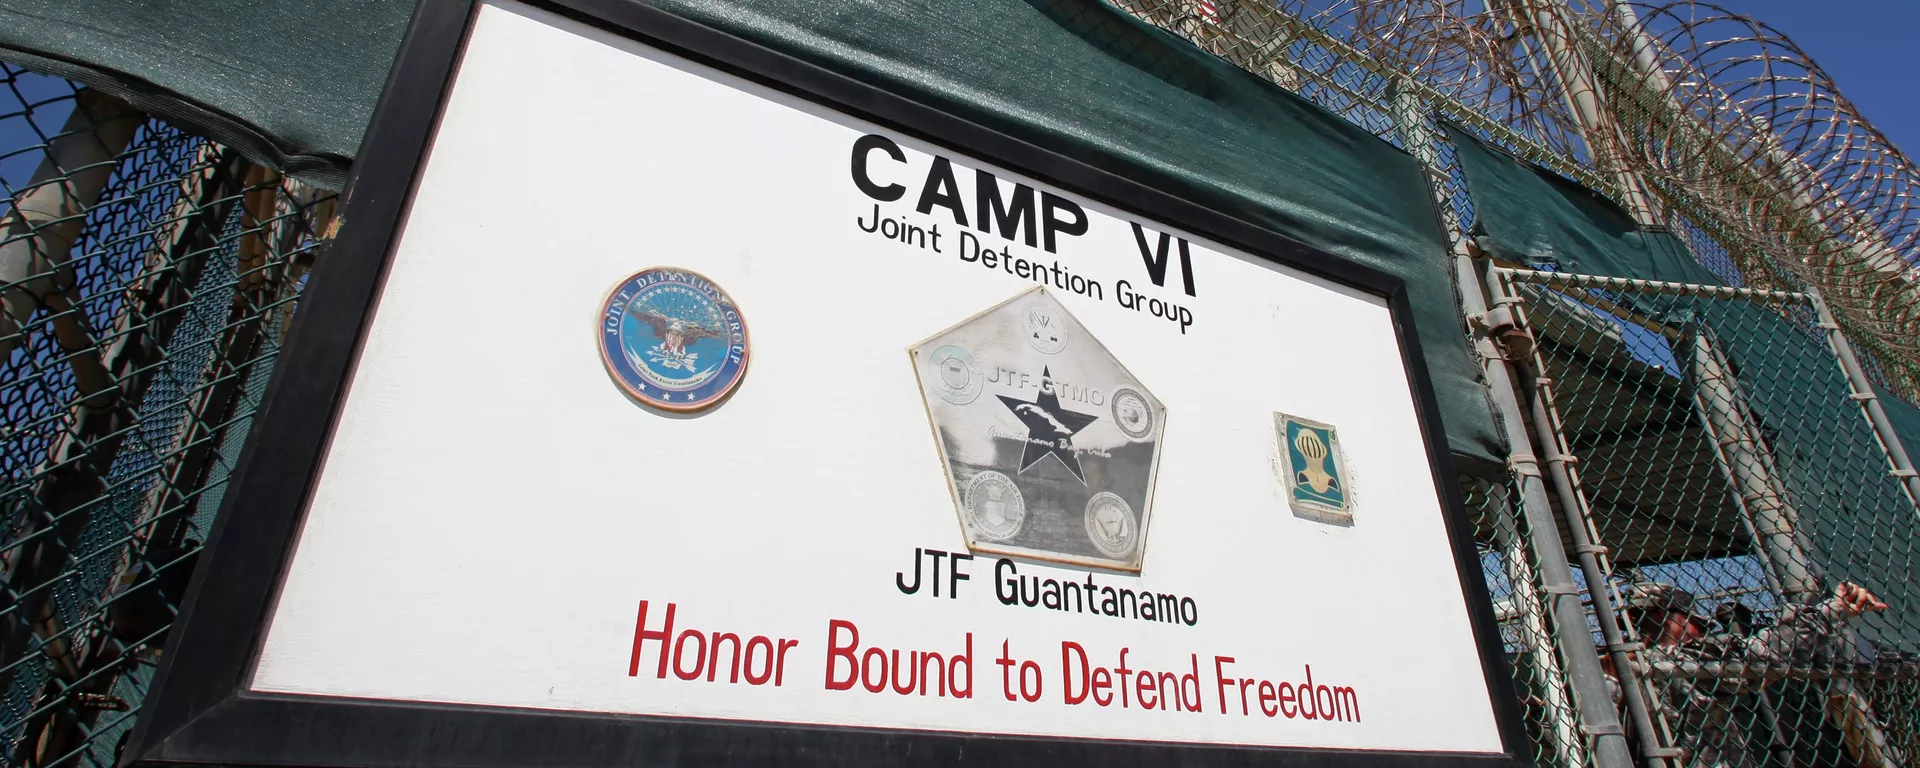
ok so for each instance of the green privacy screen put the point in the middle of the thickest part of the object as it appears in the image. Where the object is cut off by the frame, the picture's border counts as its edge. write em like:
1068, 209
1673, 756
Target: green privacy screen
294, 83
1638, 419
1905, 418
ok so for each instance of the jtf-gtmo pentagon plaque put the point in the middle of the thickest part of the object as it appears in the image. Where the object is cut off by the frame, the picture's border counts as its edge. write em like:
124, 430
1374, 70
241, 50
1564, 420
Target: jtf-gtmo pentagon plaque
1049, 444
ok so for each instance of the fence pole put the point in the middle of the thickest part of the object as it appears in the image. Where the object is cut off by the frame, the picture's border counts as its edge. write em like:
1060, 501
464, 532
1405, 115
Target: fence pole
1747, 462
1869, 401
1744, 456
1864, 733
1584, 673
1575, 511
1564, 741
1593, 704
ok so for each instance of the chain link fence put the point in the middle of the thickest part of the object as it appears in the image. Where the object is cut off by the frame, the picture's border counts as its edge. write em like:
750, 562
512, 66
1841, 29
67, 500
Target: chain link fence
1706, 437
148, 276
1718, 451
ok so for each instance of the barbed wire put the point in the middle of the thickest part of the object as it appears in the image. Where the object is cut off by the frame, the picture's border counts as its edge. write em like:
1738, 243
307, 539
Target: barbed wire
1682, 111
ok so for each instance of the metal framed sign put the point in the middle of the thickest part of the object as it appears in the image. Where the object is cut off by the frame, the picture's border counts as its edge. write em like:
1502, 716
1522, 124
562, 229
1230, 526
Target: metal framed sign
1003, 474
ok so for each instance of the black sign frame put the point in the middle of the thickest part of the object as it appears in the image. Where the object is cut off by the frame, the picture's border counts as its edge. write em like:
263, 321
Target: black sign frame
201, 710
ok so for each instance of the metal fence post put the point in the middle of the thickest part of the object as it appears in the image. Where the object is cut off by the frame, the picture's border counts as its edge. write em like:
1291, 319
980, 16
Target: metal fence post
1564, 742
1586, 677
1747, 465
1863, 393
1574, 510
1744, 456
1584, 673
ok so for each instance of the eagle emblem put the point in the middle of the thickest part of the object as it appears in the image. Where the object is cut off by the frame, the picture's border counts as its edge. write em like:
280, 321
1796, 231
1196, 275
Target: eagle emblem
672, 339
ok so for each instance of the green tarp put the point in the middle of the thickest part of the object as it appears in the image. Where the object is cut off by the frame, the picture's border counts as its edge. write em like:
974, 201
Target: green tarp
1906, 421
291, 84
1861, 524
294, 83
1533, 217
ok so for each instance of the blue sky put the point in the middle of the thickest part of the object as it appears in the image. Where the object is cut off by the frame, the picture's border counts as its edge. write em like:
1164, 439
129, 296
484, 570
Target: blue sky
31, 107
1867, 46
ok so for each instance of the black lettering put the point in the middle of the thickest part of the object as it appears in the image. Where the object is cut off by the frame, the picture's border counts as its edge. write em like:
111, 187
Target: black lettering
1155, 258
861, 147
954, 576
900, 577
1186, 268
1008, 217
1050, 206
1005, 584
940, 190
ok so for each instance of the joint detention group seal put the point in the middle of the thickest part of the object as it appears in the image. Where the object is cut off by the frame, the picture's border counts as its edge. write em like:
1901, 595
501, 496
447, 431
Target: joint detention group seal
995, 506
1110, 525
1131, 413
672, 339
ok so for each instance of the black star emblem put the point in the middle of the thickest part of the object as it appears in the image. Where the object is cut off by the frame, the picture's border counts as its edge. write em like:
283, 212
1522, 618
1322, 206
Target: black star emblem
1050, 429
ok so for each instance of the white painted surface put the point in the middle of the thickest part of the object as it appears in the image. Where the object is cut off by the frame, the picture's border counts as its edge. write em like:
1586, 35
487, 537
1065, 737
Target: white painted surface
493, 509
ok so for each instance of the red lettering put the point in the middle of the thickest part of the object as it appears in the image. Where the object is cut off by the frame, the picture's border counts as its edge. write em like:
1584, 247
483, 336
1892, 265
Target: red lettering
1006, 671
766, 672
641, 634
837, 652
1220, 674
699, 656
1306, 697
953, 672
1072, 658
938, 671
780, 666
873, 659
1189, 687
714, 645
706, 650
1025, 667
877, 669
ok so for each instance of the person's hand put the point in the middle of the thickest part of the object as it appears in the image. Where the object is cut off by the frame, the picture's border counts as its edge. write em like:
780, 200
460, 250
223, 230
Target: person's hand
1851, 600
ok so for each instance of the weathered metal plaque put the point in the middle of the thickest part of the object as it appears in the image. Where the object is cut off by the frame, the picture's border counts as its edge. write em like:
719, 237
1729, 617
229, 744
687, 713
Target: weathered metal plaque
1050, 444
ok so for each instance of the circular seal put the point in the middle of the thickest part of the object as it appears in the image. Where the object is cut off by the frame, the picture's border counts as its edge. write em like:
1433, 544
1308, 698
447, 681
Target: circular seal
673, 339
954, 376
1131, 412
1111, 526
1045, 332
994, 506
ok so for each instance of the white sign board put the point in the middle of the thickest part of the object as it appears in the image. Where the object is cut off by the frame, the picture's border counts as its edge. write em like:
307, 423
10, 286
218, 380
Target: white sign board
499, 522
